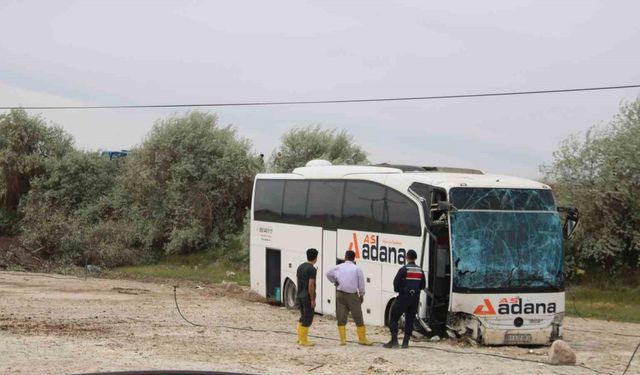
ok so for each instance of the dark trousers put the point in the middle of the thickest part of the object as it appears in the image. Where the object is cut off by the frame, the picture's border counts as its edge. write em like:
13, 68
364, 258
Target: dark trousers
306, 312
407, 305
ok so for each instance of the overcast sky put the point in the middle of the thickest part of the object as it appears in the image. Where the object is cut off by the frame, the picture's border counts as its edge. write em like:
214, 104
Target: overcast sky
138, 52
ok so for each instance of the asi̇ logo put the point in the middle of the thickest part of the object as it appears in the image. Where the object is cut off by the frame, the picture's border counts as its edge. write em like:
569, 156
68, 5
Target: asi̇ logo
514, 306
485, 309
372, 250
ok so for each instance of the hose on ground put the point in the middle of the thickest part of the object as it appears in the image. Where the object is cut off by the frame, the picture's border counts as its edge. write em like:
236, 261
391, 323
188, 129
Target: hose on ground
631, 359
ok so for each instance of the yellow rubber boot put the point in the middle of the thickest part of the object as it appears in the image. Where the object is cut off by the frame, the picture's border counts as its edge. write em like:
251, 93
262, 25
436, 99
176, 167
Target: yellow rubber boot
362, 336
342, 331
298, 330
304, 340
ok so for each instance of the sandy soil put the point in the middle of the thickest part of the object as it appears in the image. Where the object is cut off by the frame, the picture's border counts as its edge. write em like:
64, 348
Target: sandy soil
52, 324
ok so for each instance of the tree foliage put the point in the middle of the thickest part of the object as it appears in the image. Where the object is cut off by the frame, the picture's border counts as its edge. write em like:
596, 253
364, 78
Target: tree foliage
189, 184
186, 188
600, 175
26, 144
301, 145
60, 212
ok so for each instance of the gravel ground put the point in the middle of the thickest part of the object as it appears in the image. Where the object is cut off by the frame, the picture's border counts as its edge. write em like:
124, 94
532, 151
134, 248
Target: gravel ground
53, 324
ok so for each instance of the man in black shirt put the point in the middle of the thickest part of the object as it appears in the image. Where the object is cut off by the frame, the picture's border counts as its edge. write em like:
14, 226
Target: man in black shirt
408, 283
306, 296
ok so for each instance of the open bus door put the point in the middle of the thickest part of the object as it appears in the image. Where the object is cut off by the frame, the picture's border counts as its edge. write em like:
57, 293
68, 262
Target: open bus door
437, 252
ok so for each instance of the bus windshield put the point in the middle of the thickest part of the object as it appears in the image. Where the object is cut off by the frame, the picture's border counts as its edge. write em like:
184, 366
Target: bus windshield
506, 240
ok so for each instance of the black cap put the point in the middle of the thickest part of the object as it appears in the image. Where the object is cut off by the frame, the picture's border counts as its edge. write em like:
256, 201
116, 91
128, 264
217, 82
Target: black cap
411, 255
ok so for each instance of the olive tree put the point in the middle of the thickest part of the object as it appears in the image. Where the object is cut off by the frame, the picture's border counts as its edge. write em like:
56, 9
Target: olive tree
26, 143
600, 175
189, 184
60, 211
301, 145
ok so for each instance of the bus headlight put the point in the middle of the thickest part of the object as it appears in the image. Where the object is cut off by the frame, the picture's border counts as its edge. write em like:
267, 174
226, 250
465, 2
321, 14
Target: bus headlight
556, 327
558, 318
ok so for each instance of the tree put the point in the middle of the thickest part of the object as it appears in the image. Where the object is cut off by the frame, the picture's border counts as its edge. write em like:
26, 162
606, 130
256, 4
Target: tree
187, 187
59, 212
189, 184
26, 143
301, 145
600, 174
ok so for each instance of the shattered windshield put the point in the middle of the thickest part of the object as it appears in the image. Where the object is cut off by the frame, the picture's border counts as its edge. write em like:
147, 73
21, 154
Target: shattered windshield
502, 199
506, 250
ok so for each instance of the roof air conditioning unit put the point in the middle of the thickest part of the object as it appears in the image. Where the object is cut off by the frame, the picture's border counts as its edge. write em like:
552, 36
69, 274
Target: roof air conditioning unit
318, 163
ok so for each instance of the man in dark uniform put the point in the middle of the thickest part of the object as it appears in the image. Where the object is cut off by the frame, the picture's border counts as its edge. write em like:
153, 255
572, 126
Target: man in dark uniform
408, 283
306, 296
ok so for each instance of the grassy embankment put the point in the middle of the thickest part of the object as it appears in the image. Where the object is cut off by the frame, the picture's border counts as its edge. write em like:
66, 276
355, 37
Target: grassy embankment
201, 267
609, 301
597, 295
619, 301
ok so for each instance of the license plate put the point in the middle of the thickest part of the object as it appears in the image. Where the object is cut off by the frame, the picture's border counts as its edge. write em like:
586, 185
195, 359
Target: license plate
517, 338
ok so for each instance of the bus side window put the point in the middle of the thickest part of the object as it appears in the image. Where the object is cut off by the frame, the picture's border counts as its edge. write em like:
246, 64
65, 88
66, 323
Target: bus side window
324, 204
363, 206
294, 205
402, 215
268, 206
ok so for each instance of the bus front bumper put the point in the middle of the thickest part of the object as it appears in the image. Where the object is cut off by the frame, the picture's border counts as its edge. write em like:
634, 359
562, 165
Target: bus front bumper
539, 336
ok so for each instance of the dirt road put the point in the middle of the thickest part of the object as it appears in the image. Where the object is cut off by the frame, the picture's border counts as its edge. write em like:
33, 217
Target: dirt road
52, 324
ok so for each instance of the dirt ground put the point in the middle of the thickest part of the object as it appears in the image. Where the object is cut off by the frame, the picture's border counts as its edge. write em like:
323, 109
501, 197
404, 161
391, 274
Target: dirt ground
53, 324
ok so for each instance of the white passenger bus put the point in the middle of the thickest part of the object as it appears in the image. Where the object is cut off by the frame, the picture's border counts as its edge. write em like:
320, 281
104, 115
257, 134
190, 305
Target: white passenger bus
491, 246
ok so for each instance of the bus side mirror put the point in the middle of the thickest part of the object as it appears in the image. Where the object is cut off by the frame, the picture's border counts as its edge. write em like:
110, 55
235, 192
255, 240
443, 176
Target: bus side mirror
445, 206
570, 222
437, 209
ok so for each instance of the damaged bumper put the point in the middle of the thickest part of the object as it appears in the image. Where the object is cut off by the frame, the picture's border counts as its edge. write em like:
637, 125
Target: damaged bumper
542, 336
508, 331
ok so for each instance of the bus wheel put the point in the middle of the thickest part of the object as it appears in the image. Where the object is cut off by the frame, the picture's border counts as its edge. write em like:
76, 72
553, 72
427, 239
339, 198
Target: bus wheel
289, 295
388, 317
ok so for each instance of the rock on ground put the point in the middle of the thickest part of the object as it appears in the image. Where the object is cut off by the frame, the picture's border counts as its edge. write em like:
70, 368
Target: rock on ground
560, 353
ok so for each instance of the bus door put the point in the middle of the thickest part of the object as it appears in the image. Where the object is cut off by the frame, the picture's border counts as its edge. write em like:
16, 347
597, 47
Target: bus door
329, 260
437, 256
439, 280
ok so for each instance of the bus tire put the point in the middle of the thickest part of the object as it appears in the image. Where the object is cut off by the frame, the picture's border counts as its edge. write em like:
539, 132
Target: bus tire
387, 312
289, 295
387, 317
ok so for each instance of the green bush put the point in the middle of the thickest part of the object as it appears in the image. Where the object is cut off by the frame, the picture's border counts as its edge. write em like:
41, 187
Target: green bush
235, 249
8, 221
27, 143
188, 186
600, 175
61, 211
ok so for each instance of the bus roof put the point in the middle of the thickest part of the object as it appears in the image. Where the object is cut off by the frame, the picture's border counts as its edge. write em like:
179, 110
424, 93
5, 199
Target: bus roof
446, 178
